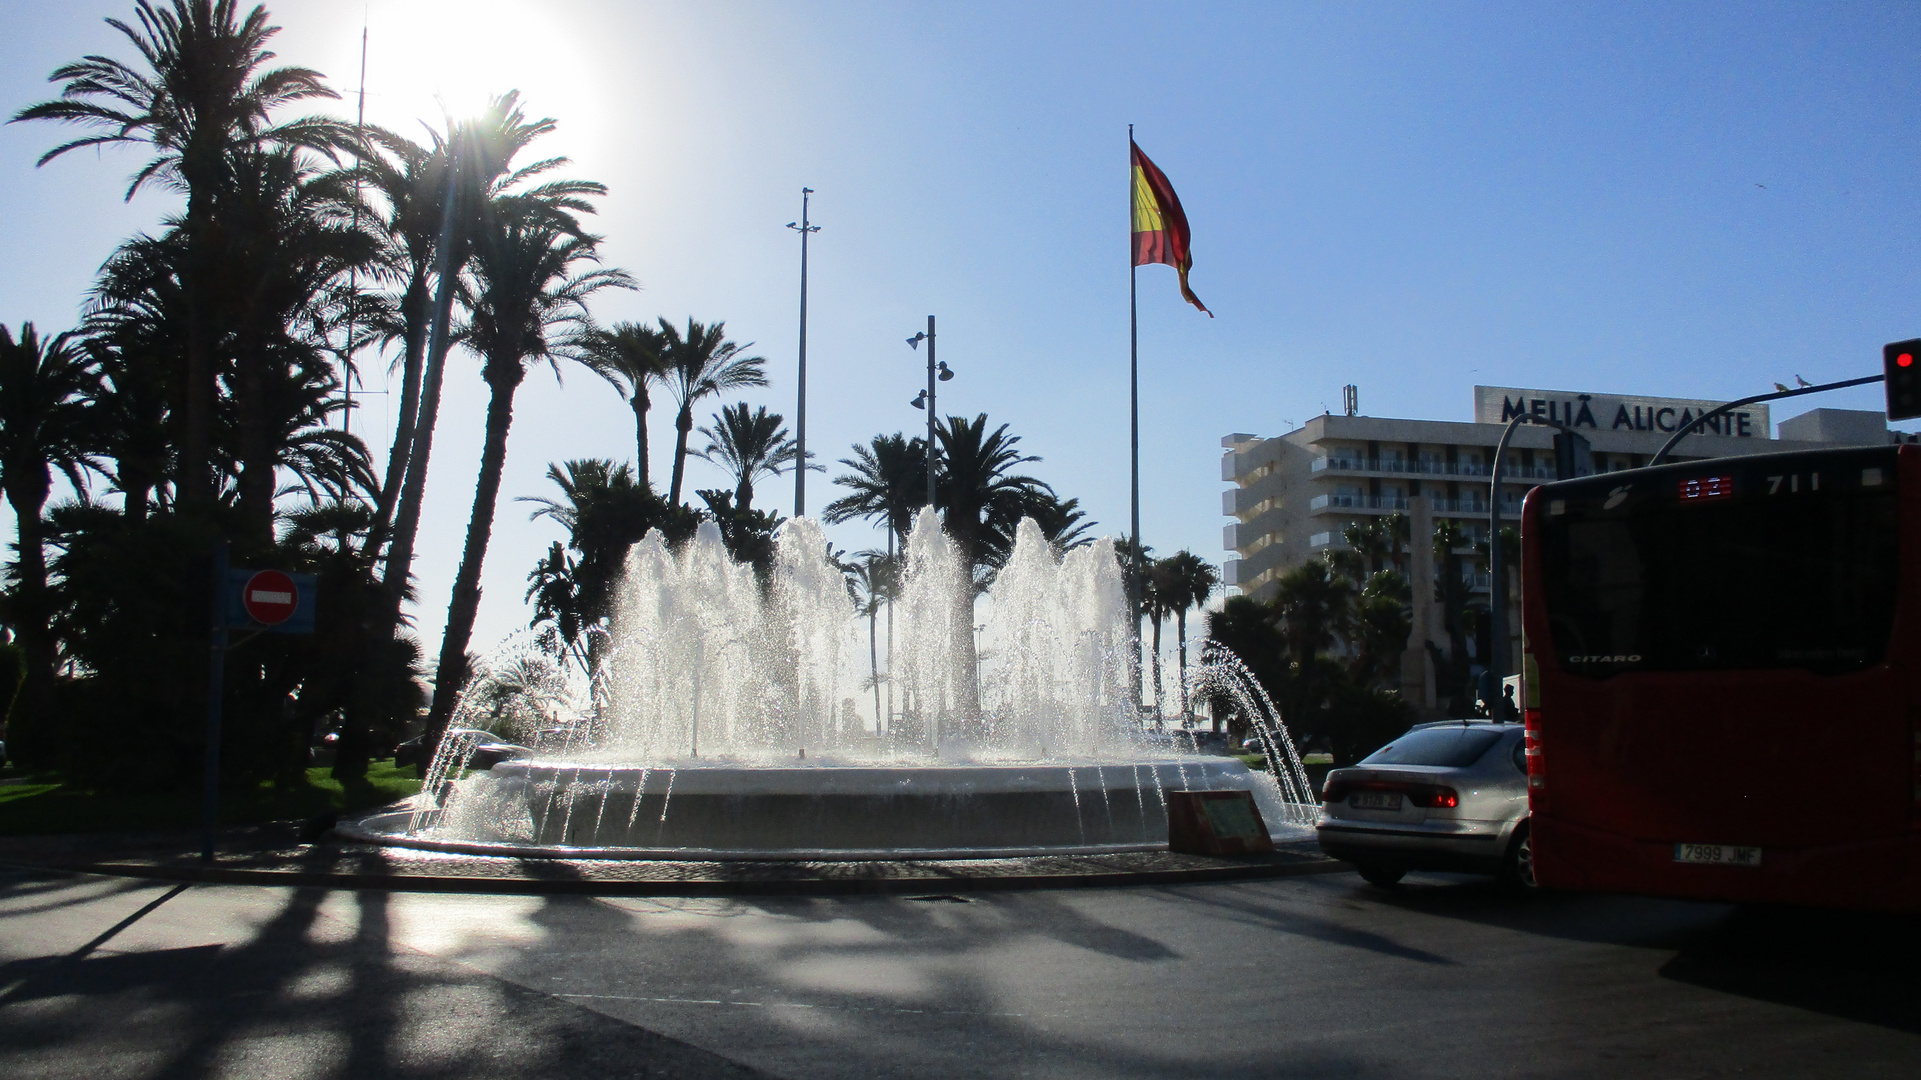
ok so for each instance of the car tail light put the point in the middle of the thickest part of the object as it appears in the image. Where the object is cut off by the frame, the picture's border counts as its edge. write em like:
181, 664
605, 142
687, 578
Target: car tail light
1433, 796
1333, 791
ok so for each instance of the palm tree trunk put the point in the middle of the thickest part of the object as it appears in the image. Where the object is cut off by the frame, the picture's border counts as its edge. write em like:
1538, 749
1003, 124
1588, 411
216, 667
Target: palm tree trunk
873, 661
30, 614
684, 423
417, 303
256, 456
193, 473
1158, 699
1180, 629
641, 404
400, 553
451, 673
890, 627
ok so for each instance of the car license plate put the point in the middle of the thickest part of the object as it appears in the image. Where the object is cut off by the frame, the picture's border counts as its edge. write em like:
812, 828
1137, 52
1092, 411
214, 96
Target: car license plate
1375, 800
1717, 855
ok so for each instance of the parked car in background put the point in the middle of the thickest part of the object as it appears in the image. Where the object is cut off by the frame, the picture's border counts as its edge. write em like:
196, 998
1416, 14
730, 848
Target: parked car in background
488, 750
1444, 796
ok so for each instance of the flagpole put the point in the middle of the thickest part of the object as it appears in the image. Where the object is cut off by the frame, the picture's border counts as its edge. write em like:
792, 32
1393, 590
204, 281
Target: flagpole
1134, 418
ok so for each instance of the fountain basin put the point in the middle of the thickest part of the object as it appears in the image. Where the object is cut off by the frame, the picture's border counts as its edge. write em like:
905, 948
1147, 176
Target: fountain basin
720, 810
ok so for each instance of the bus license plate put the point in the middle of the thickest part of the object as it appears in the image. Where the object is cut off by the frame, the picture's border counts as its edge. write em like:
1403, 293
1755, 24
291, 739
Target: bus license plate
1717, 854
1375, 800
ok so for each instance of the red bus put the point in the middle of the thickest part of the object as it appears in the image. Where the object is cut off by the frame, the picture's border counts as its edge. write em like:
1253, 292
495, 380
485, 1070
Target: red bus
1722, 679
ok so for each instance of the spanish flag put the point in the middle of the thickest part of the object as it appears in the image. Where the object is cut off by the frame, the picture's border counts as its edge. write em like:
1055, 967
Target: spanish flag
1160, 225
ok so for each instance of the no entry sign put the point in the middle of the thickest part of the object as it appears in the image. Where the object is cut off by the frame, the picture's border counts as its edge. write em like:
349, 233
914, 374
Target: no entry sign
270, 597
271, 600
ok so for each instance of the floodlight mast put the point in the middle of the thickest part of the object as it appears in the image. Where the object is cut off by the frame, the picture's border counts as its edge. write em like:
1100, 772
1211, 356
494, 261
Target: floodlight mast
800, 409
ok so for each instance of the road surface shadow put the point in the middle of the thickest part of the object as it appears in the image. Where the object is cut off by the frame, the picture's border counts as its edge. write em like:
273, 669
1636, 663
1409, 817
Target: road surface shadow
1855, 965
298, 996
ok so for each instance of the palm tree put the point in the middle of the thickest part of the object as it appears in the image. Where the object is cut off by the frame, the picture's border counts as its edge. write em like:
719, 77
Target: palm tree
701, 362
1187, 581
888, 483
748, 446
287, 244
1157, 604
982, 500
529, 284
411, 182
202, 94
1314, 606
874, 581
630, 356
1134, 558
44, 426
1062, 521
485, 174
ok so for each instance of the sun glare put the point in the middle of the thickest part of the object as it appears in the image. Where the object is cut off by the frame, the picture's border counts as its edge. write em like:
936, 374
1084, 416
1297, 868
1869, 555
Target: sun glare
432, 58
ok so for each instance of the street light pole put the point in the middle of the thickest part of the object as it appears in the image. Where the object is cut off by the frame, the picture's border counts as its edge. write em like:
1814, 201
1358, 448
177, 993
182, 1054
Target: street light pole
800, 410
930, 410
937, 373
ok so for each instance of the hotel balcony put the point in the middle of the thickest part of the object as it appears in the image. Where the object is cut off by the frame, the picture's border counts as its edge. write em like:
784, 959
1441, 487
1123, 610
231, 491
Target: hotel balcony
1332, 465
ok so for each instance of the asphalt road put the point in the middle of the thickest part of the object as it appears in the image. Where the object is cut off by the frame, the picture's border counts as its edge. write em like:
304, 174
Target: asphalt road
1311, 976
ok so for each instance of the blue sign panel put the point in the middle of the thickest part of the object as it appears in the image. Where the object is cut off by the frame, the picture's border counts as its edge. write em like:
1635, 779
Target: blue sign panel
234, 605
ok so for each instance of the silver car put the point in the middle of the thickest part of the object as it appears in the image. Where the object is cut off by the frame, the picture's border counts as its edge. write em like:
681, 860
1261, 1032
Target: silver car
1444, 796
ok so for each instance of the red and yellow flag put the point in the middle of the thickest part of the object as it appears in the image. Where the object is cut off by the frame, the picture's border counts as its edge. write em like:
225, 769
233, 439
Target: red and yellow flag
1160, 225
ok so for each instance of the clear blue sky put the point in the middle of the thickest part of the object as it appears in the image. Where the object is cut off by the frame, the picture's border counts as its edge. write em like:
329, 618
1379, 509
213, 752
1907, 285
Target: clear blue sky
1693, 201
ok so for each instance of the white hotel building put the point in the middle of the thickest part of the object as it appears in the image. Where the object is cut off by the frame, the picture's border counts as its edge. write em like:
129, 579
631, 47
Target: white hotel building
1294, 493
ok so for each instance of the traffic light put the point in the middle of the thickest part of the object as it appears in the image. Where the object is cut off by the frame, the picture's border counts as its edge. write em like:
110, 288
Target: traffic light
1572, 456
1901, 363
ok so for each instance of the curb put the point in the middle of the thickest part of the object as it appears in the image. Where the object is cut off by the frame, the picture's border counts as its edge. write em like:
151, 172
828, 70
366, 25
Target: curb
584, 886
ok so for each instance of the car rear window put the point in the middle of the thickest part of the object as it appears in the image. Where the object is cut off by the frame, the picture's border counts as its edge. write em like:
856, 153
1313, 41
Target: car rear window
1453, 747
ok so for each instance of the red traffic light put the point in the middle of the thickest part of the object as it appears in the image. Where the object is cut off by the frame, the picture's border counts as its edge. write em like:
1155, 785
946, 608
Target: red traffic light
1903, 378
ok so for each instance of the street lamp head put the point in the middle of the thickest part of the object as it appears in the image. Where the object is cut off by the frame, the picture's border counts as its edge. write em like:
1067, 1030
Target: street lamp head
806, 191
914, 342
793, 224
920, 400
945, 374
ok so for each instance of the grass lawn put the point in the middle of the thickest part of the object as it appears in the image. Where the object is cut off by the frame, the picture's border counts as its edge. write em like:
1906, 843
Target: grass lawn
43, 803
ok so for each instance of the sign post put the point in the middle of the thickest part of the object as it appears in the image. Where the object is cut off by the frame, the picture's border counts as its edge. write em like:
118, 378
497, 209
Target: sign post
265, 602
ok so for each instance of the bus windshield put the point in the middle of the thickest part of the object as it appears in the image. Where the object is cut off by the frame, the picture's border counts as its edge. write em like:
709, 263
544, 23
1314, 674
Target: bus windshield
1725, 565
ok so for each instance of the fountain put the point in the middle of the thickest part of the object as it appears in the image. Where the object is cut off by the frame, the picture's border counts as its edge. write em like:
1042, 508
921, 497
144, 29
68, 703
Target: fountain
722, 721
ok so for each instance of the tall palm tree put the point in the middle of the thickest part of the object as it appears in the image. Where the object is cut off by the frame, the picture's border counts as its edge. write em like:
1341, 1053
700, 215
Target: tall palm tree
983, 500
1157, 603
44, 426
631, 356
202, 92
485, 171
532, 279
135, 325
1062, 521
1188, 580
410, 183
888, 484
288, 243
701, 362
572, 593
874, 580
748, 446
